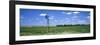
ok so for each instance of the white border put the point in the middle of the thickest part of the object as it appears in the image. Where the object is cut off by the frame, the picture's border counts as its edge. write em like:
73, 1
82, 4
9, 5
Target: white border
18, 37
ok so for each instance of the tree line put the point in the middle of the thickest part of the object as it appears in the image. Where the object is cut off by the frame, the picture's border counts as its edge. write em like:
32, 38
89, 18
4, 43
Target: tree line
72, 25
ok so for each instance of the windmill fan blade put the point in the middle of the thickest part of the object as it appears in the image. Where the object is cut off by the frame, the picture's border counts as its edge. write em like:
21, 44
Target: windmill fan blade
46, 16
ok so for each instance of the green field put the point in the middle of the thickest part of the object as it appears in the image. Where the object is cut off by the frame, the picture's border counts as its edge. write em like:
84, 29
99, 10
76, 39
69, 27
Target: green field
41, 30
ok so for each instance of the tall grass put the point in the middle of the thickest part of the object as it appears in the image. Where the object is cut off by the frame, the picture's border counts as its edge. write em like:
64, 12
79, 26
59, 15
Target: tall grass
41, 30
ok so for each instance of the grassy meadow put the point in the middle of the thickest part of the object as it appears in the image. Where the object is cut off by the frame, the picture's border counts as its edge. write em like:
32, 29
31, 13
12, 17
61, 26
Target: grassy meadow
42, 30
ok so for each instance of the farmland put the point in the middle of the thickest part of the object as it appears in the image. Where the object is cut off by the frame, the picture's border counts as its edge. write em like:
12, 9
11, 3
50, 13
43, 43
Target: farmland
42, 30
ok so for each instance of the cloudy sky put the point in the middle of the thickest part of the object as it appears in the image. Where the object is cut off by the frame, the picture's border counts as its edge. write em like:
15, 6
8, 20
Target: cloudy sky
36, 17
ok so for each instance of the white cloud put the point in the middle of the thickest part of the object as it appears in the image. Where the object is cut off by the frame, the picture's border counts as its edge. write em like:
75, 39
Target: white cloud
88, 17
51, 17
81, 21
67, 13
89, 13
67, 18
76, 12
55, 20
40, 22
68, 21
74, 17
43, 14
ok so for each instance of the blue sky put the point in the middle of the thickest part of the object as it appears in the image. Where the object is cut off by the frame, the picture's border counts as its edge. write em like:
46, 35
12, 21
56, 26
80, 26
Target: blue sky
36, 17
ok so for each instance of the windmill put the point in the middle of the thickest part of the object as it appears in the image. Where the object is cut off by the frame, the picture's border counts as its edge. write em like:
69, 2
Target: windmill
47, 18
